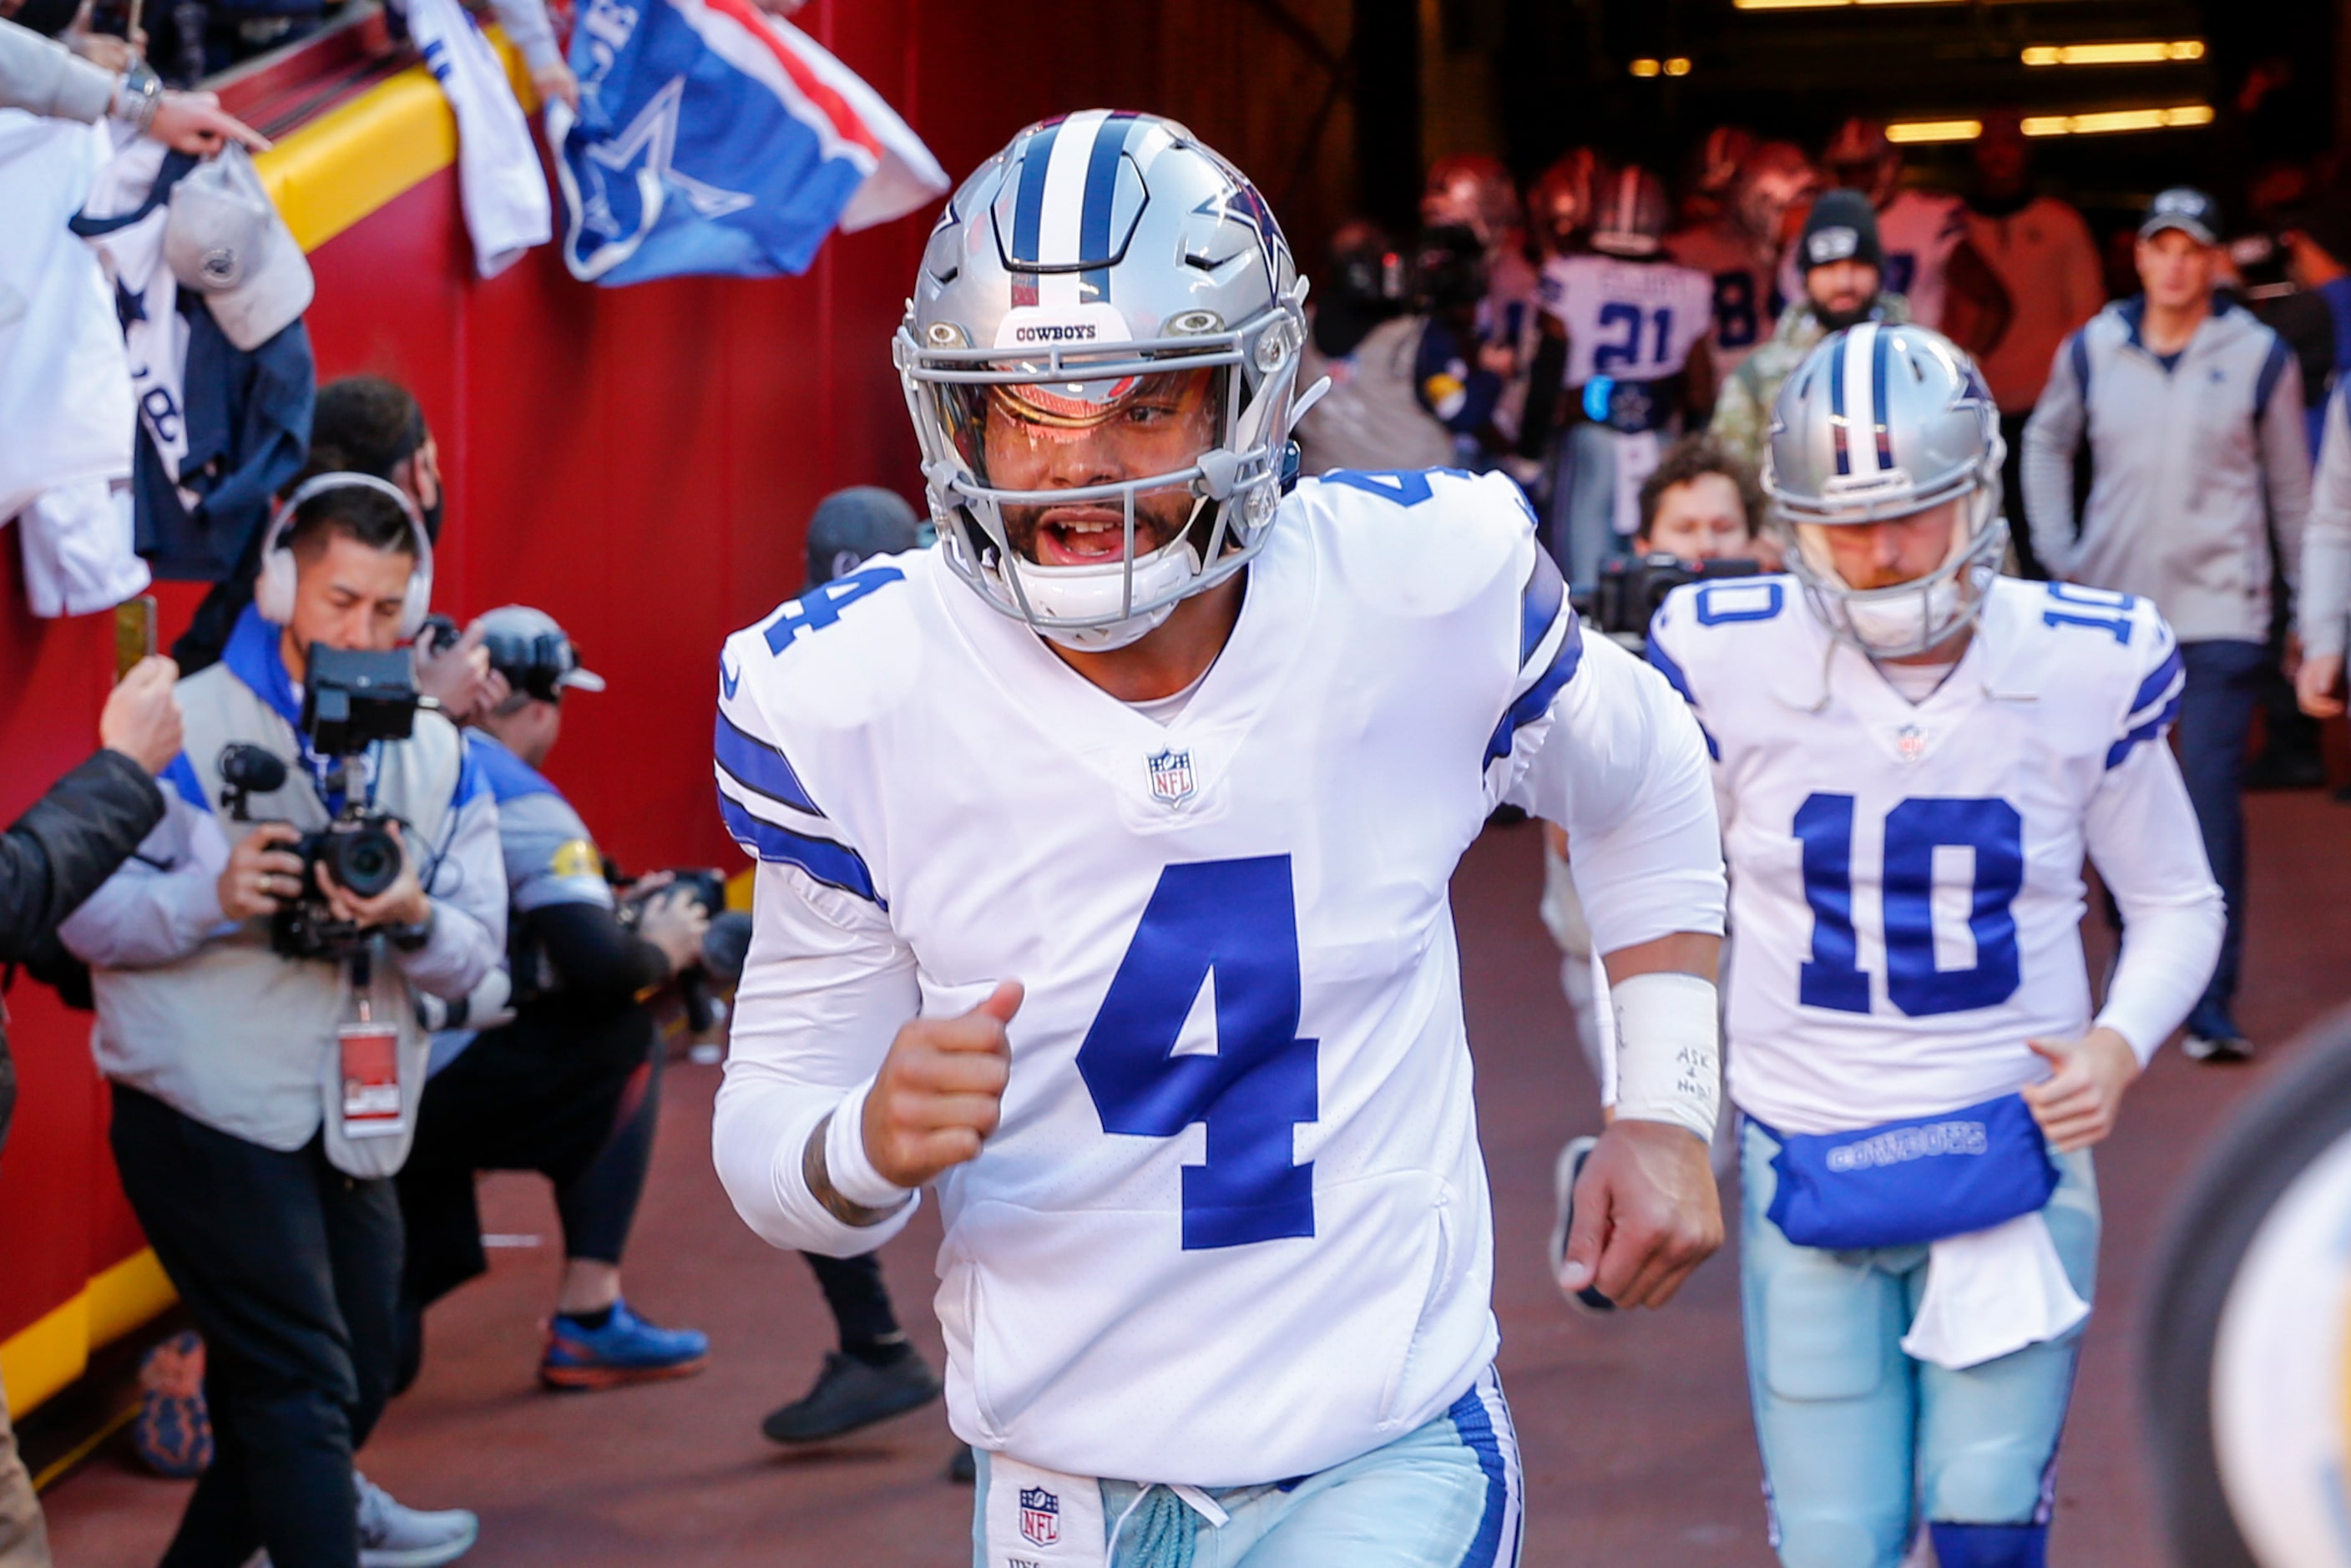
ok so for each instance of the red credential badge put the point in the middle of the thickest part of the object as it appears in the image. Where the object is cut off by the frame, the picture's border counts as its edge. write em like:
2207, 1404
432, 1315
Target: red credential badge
370, 1079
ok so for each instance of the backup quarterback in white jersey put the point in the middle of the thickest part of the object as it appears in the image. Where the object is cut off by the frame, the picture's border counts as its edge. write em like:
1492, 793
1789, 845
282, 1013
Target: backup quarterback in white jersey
1914, 757
1103, 866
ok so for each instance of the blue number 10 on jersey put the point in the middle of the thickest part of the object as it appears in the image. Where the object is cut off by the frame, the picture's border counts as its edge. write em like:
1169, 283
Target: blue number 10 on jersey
1914, 830
1231, 926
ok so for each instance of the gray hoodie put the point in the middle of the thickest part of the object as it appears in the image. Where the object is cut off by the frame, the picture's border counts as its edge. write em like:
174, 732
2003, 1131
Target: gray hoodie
2192, 465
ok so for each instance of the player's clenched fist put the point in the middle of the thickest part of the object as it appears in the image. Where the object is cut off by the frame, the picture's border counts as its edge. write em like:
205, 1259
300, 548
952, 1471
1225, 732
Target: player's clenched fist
940, 1091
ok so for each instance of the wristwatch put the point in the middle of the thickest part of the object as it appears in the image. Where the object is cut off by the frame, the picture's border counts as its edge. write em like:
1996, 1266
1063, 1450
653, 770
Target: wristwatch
136, 96
411, 938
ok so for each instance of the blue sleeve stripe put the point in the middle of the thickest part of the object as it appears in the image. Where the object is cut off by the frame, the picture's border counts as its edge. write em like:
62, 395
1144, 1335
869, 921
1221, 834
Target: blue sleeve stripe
1681, 683
835, 865
2077, 348
1539, 603
182, 776
2273, 369
1536, 700
2165, 676
756, 764
2151, 730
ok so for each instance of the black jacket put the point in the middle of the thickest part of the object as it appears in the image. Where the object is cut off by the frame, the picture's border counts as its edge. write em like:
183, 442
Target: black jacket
58, 853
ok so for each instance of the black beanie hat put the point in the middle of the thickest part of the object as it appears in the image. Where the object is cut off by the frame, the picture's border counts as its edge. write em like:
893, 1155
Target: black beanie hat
1842, 226
852, 524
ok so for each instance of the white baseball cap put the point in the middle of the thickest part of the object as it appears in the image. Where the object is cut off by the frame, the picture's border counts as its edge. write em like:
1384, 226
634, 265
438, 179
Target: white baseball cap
224, 240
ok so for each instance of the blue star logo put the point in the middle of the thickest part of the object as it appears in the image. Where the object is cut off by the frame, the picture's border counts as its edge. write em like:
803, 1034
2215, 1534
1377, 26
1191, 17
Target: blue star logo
616, 214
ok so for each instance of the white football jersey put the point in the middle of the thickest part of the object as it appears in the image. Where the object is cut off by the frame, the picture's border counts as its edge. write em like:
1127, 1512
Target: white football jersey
1918, 230
1744, 291
1233, 1226
1907, 883
1635, 321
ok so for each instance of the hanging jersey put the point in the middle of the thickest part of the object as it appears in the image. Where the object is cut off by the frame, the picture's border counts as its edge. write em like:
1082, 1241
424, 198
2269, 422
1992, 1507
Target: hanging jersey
1744, 291
1906, 880
1233, 1226
1631, 320
1918, 230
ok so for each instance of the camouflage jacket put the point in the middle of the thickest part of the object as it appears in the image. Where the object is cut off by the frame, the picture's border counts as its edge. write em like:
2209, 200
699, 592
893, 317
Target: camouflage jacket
1742, 411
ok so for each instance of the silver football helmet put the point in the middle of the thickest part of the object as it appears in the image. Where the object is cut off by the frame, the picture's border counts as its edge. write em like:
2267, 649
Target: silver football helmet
1881, 423
1098, 261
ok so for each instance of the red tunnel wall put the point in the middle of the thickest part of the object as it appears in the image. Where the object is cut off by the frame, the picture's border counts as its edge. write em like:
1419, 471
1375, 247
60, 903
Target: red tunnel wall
639, 461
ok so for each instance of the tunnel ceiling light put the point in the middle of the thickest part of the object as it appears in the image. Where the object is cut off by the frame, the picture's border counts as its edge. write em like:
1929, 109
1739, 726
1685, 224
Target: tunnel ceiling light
1910, 131
1644, 66
1829, 5
2181, 115
1679, 66
2139, 52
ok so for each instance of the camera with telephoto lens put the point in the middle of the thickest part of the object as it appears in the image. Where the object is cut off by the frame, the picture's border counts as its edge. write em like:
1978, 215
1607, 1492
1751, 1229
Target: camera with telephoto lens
1630, 589
352, 699
722, 943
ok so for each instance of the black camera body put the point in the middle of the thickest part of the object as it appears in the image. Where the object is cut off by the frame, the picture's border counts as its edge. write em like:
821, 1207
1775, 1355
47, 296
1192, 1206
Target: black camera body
1630, 589
350, 700
722, 962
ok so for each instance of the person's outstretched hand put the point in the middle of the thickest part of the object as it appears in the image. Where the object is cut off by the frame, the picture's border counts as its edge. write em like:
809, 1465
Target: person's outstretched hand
141, 717
195, 123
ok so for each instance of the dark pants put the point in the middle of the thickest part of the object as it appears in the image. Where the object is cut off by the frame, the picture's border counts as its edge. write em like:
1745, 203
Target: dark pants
2216, 716
2011, 481
573, 1097
291, 1269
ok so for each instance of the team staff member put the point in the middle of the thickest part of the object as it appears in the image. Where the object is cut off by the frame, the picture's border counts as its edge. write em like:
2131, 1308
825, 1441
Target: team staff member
264, 1189
2192, 410
2323, 614
1844, 267
52, 858
570, 1086
2041, 252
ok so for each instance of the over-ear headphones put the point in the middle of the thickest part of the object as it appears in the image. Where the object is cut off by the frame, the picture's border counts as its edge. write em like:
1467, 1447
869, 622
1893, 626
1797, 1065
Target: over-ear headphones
273, 588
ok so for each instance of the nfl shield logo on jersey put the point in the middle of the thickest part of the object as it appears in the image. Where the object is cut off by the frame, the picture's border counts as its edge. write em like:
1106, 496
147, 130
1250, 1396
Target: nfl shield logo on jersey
1911, 742
1171, 776
1040, 1516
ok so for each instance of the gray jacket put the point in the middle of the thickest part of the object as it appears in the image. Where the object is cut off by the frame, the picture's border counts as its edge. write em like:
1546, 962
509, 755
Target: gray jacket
199, 1012
2324, 611
2190, 468
42, 76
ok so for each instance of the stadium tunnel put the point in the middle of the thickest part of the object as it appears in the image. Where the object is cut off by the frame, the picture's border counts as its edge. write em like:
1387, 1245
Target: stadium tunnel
640, 461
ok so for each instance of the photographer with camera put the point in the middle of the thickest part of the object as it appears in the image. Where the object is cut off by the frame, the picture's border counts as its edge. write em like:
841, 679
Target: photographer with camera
558, 1070
51, 858
254, 995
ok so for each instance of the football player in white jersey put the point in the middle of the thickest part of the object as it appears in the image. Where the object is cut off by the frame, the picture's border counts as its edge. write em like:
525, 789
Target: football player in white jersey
1103, 854
1626, 328
1914, 756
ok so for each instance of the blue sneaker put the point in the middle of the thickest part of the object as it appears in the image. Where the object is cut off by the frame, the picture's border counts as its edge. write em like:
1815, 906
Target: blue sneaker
626, 1349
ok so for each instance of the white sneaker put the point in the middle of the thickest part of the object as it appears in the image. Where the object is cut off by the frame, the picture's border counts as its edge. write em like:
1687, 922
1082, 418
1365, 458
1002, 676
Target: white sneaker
393, 1536
1570, 1166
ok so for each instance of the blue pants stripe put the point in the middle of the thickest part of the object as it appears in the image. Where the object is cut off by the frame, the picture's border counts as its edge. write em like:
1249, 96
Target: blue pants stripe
1496, 1545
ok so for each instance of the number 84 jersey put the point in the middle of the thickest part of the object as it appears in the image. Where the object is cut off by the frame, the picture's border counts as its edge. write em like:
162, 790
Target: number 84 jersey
1906, 880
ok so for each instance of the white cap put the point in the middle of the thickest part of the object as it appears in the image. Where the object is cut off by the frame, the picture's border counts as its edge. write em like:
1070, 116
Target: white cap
224, 240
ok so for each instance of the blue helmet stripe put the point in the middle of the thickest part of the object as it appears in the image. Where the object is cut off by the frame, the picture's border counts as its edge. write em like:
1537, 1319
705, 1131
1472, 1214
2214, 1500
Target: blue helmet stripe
1029, 209
1836, 405
1880, 350
1101, 195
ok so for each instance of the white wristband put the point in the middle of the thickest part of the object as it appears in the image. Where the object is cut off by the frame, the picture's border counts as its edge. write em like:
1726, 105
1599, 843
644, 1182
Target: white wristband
845, 1162
1667, 1059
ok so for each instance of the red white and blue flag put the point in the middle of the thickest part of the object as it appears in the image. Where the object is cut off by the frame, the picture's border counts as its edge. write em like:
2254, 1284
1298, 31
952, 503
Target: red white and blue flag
714, 138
